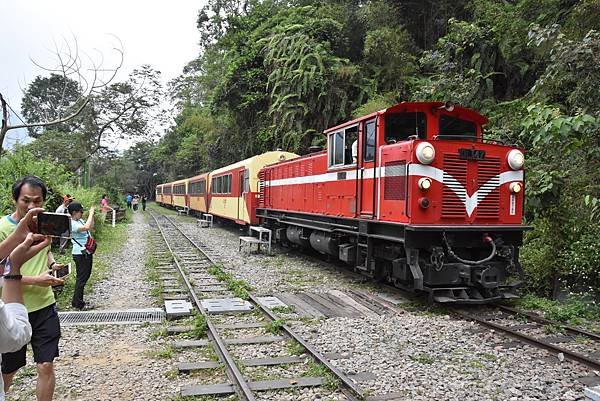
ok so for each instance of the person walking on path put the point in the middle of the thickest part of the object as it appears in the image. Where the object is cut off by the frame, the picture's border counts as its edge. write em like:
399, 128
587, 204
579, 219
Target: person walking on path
29, 193
80, 231
144, 200
128, 199
135, 202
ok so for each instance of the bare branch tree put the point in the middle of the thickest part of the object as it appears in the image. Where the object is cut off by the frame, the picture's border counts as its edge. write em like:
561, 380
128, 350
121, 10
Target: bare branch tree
69, 64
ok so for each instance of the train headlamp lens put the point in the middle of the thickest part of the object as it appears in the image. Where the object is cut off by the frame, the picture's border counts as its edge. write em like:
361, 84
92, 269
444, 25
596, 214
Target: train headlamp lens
515, 187
425, 152
516, 159
424, 183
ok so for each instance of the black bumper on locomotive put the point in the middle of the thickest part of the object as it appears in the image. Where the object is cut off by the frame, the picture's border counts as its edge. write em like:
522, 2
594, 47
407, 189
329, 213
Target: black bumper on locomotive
450, 279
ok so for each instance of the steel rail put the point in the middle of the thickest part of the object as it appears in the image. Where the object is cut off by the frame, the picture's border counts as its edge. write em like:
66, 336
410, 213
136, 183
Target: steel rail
593, 363
311, 350
242, 388
539, 319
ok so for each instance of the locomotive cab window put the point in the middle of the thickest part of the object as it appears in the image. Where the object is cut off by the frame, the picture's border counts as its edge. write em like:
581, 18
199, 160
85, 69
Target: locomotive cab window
401, 126
369, 141
454, 128
343, 147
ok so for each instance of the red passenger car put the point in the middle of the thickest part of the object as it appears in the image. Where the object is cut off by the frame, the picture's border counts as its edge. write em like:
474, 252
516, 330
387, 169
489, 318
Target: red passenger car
411, 194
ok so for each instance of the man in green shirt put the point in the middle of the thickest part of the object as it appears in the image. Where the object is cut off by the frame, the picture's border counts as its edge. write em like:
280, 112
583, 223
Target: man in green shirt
29, 193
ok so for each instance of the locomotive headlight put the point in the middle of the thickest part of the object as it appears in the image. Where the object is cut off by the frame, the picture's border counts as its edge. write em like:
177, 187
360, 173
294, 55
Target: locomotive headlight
424, 183
425, 152
516, 159
515, 187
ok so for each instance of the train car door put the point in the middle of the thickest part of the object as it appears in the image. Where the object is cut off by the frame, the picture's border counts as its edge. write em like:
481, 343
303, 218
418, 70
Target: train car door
242, 196
367, 170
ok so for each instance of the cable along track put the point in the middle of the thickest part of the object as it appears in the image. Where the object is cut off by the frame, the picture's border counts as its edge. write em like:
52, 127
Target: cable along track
570, 342
192, 261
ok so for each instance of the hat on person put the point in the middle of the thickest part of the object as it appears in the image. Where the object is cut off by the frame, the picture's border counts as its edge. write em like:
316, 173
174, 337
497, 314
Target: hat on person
75, 207
68, 197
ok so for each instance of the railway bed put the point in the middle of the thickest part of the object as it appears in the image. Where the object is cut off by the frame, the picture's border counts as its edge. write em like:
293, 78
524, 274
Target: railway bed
193, 262
408, 351
560, 340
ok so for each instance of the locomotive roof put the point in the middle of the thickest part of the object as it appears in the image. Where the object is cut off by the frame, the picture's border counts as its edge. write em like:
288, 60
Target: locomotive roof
417, 106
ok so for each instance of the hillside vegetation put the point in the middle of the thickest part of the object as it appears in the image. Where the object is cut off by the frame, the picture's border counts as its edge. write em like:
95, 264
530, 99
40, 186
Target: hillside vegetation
274, 74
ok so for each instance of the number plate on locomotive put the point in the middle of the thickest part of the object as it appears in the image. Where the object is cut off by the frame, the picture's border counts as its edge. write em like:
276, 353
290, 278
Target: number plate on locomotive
471, 154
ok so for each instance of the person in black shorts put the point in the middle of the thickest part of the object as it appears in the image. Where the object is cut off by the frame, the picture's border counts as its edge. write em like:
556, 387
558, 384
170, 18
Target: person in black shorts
37, 281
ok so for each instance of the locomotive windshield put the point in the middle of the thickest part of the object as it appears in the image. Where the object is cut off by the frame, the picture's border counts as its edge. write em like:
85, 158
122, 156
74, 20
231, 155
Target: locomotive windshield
400, 126
453, 128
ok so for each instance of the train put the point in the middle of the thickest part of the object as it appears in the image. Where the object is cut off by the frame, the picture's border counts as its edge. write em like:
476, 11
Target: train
412, 195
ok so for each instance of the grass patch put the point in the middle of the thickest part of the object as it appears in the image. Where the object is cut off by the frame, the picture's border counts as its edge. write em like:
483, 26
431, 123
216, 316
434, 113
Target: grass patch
284, 309
572, 311
200, 325
240, 288
295, 348
423, 358
165, 353
316, 369
159, 333
275, 327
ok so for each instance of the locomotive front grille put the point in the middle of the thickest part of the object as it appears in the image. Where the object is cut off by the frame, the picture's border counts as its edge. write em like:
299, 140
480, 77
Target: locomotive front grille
455, 178
488, 196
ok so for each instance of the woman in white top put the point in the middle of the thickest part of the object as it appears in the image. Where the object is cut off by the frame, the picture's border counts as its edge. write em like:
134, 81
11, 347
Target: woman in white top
15, 330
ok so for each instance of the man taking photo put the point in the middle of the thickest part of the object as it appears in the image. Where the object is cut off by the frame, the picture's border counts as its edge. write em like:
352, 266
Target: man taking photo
30, 193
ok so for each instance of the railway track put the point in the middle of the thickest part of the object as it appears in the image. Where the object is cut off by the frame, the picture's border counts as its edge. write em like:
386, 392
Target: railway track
193, 262
563, 341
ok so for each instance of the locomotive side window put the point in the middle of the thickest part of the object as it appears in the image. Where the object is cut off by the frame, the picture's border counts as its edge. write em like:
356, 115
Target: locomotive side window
369, 151
400, 126
343, 146
351, 145
452, 126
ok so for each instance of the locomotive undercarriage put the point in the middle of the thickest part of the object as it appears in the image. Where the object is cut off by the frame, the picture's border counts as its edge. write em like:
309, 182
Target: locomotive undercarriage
452, 264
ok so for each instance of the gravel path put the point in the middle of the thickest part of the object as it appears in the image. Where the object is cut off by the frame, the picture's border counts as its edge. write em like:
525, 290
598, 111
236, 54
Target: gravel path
103, 362
418, 355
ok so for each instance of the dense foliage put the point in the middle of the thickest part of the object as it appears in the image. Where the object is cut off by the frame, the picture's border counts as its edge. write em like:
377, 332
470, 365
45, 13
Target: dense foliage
275, 73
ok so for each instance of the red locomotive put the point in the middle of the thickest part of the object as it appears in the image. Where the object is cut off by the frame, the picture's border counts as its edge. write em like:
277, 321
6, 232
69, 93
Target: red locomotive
411, 194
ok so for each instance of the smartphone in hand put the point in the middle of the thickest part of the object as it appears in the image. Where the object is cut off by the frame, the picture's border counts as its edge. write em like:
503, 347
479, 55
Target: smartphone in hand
54, 224
62, 272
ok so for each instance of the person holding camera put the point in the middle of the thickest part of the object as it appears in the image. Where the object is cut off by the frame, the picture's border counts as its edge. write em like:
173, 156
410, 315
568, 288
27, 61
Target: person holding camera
29, 194
80, 231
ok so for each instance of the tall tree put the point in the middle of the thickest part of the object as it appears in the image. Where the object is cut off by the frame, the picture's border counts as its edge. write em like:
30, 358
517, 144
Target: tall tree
70, 68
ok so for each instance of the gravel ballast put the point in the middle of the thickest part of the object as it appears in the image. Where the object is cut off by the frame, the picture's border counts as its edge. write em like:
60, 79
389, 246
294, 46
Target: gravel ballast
417, 355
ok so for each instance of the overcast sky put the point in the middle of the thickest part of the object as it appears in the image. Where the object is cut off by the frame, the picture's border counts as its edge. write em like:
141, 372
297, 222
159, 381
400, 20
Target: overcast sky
162, 34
